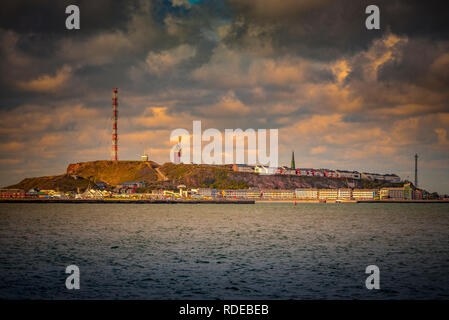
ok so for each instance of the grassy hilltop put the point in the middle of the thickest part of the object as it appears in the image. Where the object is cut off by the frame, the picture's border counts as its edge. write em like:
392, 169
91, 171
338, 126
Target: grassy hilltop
63, 182
170, 175
115, 172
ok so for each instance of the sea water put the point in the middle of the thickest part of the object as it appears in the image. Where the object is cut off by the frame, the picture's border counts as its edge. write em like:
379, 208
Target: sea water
229, 251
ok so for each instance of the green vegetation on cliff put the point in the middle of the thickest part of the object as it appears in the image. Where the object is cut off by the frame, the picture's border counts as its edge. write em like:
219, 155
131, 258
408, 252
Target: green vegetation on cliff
169, 176
204, 176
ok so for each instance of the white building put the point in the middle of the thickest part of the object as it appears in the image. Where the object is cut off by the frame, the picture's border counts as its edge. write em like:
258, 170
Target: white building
328, 194
348, 174
207, 192
344, 194
364, 194
372, 176
306, 194
253, 193
393, 193
278, 194
262, 170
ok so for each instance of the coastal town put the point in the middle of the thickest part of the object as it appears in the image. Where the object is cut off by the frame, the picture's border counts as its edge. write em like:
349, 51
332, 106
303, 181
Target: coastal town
138, 190
305, 195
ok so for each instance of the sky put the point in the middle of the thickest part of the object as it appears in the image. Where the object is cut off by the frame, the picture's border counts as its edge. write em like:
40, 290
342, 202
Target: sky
341, 96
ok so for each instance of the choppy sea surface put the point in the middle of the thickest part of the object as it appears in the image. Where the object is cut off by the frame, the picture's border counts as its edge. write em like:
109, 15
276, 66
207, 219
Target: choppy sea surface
202, 251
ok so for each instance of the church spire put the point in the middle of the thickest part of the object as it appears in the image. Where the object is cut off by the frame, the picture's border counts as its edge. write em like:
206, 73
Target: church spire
292, 165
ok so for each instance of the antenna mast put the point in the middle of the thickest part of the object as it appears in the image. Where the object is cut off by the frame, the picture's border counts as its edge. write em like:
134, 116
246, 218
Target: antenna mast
114, 153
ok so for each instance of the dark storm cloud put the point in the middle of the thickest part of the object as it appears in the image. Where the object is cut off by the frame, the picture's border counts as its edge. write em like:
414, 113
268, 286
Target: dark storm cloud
113, 36
321, 29
417, 18
423, 63
48, 16
327, 29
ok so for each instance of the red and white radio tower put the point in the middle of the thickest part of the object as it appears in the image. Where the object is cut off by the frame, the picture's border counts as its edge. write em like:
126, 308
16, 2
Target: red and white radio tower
114, 153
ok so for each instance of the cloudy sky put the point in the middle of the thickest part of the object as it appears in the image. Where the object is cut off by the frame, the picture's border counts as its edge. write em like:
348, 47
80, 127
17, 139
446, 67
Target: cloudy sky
341, 96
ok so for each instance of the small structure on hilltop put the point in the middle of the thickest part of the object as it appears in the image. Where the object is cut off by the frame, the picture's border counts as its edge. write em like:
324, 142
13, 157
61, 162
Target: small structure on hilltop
144, 157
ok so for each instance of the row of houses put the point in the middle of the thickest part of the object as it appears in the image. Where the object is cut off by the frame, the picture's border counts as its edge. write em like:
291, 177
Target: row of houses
402, 193
129, 187
337, 194
245, 193
300, 194
132, 184
12, 193
123, 188
315, 173
32, 193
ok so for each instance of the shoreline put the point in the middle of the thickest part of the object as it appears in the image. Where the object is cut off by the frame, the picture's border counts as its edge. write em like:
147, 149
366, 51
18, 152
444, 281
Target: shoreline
186, 201
100, 201
350, 201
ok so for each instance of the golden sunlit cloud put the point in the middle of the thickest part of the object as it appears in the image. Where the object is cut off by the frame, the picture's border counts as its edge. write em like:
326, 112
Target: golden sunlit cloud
47, 83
